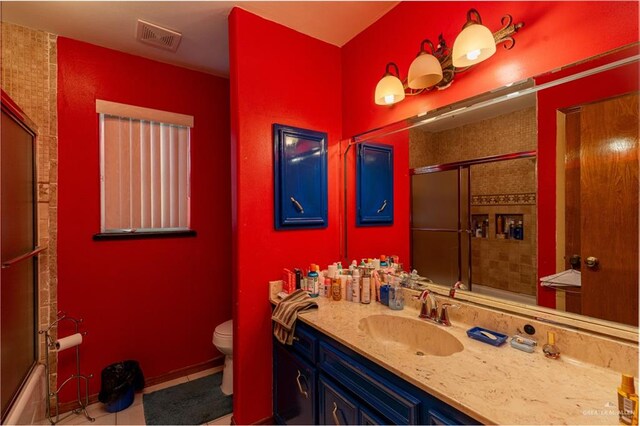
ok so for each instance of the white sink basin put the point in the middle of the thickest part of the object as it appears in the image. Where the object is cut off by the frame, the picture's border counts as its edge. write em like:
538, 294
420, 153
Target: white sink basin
413, 335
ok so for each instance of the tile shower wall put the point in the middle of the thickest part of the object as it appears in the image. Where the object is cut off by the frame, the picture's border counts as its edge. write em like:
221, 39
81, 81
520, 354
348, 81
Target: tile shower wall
29, 76
501, 188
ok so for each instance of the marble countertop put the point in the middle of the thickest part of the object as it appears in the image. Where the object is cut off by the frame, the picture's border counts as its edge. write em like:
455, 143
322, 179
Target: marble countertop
498, 385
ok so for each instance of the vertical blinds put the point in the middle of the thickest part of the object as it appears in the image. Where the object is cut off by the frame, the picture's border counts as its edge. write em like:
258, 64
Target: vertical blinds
145, 174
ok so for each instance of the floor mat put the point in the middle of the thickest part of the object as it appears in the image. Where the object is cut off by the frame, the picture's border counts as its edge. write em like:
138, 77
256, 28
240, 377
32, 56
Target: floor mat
192, 403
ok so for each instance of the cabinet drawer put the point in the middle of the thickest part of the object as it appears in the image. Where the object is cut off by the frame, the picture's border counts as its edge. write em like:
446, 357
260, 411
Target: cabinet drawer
436, 418
305, 343
336, 408
394, 403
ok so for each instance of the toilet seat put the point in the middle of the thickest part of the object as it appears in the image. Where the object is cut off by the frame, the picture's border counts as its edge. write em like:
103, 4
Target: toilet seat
225, 329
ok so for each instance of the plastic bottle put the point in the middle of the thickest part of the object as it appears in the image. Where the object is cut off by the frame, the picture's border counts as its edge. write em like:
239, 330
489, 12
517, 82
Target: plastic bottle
518, 232
383, 261
313, 279
327, 287
396, 296
355, 287
349, 290
627, 401
336, 289
365, 296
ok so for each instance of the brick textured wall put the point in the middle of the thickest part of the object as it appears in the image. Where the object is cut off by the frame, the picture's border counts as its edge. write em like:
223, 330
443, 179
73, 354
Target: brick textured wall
29, 75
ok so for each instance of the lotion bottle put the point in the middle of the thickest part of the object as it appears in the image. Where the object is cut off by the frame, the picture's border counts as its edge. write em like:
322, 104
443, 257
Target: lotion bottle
355, 287
366, 289
627, 401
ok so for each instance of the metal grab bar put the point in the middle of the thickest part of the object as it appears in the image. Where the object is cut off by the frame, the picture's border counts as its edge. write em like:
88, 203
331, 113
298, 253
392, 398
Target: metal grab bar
25, 256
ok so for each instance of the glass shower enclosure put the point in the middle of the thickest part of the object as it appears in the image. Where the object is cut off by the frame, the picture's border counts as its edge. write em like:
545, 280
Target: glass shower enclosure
19, 277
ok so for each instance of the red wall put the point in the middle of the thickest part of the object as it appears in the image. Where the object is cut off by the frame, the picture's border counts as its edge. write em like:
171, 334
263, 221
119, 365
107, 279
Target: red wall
154, 300
277, 76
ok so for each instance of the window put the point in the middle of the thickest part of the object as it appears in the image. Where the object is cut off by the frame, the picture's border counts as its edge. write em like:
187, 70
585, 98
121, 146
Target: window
144, 169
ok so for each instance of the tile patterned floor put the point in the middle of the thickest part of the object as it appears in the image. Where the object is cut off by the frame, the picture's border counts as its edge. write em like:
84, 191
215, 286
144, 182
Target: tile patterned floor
134, 415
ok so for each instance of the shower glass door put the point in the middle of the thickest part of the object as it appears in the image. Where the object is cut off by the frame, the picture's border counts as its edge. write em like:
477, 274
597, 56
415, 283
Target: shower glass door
18, 279
439, 223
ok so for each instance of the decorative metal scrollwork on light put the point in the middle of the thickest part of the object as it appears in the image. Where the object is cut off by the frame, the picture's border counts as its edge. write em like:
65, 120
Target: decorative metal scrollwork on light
436, 67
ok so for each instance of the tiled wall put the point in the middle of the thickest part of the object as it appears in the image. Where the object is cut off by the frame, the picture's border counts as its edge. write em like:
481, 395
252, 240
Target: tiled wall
29, 75
513, 132
498, 188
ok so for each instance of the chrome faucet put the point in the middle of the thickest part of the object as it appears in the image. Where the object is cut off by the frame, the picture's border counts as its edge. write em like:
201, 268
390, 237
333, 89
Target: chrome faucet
429, 309
443, 318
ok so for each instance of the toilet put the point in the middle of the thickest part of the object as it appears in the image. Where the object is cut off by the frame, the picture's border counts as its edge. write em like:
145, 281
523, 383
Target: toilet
223, 340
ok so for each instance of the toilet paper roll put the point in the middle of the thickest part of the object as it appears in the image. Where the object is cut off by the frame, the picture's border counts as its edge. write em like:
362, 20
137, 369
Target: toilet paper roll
68, 342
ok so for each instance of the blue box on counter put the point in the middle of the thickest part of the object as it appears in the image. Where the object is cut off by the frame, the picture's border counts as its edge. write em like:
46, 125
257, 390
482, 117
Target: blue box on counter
485, 336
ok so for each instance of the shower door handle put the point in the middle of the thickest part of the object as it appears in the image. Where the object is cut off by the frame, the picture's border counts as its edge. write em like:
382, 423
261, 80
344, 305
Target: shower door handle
25, 256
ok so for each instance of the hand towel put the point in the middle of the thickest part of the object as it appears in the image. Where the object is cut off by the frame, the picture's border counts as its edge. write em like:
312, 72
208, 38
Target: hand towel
286, 312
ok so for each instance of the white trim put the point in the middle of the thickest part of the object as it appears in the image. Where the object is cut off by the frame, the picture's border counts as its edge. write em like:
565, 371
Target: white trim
141, 113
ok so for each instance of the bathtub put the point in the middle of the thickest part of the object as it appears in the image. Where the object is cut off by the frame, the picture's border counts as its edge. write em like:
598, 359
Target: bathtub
30, 407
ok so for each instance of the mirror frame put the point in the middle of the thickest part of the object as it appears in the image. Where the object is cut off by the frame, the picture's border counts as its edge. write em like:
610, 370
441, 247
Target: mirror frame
502, 94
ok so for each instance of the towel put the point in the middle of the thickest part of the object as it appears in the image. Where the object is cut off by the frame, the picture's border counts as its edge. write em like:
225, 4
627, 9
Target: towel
286, 312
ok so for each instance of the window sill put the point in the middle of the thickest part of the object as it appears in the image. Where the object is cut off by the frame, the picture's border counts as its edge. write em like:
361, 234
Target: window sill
106, 236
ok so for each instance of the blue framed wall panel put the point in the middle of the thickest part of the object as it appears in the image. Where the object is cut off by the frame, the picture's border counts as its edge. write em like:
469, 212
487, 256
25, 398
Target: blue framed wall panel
374, 185
300, 178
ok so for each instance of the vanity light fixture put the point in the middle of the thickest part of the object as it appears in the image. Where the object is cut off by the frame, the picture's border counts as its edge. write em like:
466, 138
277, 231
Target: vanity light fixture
437, 67
474, 44
390, 89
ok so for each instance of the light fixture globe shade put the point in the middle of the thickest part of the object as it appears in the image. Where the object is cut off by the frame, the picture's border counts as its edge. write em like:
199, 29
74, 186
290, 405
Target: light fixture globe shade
389, 90
473, 45
425, 71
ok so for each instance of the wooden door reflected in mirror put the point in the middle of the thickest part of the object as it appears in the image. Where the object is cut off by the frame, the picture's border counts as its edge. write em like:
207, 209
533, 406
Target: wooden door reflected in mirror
601, 207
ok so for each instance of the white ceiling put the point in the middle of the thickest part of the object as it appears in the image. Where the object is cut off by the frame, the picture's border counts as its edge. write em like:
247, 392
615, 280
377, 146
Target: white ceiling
203, 24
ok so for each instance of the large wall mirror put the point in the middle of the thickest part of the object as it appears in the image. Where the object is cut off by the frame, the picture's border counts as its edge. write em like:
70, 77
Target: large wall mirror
536, 180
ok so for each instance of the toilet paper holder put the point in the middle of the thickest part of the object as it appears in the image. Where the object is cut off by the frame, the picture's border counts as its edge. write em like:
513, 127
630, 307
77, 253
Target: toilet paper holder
50, 345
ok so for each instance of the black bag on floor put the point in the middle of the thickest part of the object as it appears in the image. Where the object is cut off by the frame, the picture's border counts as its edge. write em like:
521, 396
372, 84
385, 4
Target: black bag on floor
118, 378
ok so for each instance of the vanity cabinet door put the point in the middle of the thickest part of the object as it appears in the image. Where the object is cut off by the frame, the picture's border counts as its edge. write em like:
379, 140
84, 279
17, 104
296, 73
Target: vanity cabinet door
294, 389
369, 418
374, 185
336, 407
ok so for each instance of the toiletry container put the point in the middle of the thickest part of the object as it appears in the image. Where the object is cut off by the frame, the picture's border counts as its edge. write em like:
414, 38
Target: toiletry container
627, 401
396, 297
223, 341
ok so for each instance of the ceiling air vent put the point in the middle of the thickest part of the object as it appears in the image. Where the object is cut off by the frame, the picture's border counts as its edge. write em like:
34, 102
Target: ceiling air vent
158, 36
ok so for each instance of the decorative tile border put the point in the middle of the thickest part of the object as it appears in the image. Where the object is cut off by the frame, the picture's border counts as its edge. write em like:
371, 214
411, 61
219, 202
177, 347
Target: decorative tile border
503, 199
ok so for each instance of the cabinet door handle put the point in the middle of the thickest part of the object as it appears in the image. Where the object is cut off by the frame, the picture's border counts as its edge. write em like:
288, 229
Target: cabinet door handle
335, 414
302, 392
382, 207
298, 205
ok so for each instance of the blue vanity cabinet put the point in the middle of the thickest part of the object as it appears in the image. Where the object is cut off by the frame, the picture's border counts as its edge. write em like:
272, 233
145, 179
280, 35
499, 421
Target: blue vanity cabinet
374, 185
300, 178
345, 387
